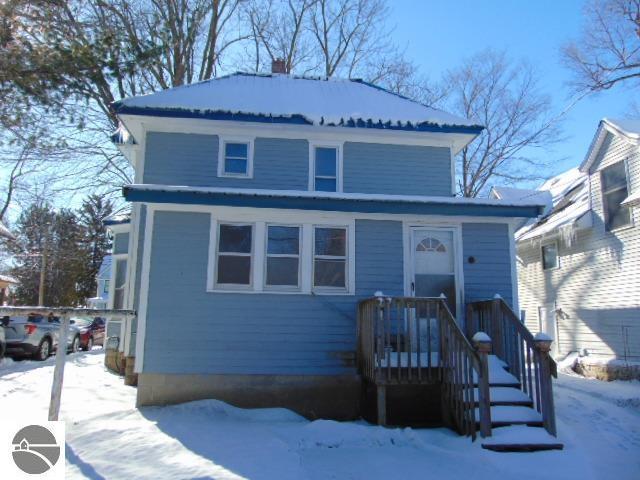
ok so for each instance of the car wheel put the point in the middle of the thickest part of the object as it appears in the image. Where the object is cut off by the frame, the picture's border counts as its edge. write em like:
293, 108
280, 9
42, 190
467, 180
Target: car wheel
44, 349
75, 345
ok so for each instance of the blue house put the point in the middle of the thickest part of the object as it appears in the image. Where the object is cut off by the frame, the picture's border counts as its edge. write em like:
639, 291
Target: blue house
274, 218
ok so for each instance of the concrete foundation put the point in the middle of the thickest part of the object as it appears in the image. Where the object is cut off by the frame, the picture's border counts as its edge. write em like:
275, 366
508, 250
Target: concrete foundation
130, 377
336, 397
115, 361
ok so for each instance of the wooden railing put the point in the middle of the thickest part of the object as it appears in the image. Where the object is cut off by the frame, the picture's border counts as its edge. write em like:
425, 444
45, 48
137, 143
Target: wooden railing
408, 340
526, 356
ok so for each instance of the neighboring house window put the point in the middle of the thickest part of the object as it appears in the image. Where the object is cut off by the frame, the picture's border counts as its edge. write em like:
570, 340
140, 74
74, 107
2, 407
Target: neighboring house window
234, 255
283, 257
106, 286
326, 169
120, 283
550, 256
330, 257
614, 191
235, 159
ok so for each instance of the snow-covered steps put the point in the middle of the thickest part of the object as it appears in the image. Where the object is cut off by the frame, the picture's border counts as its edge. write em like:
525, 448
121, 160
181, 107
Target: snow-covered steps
506, 396
498, 375
520, 438
502, 415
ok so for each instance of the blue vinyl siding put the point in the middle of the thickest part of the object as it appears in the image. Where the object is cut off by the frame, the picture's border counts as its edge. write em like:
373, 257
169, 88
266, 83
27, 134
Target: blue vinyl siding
396, 169
190, 159
190, 330
120, 243
488, 243
283, 164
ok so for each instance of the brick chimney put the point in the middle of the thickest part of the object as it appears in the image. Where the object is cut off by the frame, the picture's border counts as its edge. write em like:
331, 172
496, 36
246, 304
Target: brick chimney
278, 66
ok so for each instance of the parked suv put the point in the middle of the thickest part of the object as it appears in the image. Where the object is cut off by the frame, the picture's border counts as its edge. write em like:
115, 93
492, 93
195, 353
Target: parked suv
91, 331
36, 336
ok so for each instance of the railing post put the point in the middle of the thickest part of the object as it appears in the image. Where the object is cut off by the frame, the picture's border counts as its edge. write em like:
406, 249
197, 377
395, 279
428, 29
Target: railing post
543, 347
482, 344
496, 327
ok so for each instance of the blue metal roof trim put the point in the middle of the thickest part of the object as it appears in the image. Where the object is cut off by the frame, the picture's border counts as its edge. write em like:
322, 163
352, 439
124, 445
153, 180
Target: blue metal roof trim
327, 204
293, 119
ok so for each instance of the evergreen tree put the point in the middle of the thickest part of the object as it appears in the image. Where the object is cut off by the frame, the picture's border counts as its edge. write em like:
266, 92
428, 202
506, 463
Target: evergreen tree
94, 211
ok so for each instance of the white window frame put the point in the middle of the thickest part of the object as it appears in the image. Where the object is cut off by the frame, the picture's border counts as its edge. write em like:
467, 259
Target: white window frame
604, 197
546, 244
251, 255
339, 164
321, 288
290, 288
222, 142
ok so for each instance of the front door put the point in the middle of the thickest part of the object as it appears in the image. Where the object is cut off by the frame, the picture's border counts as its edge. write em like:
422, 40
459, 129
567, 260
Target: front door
434, 266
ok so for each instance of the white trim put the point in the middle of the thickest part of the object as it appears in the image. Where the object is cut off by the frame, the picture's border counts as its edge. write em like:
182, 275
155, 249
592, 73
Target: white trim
514, 269
260, 219
222, 141
339, 146
604, 194
136, 124
545, 244
409, 265
144, 290
119, 228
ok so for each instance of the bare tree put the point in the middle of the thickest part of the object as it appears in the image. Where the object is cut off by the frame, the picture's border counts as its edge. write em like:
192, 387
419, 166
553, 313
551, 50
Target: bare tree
608, 51
503, 96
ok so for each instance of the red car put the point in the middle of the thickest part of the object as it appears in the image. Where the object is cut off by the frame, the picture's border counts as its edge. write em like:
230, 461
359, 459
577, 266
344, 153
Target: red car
91, 331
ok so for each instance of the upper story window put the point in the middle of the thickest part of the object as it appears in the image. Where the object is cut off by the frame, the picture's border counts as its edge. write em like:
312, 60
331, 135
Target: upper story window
234, 255
325, 168
235, 158
614, 190
330, 258
550, 256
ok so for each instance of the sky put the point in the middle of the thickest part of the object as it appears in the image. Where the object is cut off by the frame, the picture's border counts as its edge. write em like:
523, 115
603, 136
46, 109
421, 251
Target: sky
439, 34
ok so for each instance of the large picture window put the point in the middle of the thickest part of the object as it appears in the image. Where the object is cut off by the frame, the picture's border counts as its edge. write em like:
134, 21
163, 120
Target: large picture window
614, 191
283, 257
234, 256
330, 257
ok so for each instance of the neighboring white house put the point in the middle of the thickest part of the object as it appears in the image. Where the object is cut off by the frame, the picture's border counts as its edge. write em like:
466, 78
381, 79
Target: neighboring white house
103, 282
579, 264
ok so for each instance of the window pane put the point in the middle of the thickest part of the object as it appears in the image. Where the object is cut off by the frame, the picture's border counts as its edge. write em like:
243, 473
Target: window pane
617, 215
234, 270
235, 238
326, 185
614, 176
235, 150
282, 271
284, 240
331, 241
235, 165
326, 161
329, 273
549, 256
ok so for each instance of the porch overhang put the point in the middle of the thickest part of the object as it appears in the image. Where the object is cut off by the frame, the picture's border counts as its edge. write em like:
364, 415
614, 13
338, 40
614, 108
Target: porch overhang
332, 202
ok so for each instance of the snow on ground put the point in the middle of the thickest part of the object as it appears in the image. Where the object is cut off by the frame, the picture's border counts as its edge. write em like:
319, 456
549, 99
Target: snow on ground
108, 438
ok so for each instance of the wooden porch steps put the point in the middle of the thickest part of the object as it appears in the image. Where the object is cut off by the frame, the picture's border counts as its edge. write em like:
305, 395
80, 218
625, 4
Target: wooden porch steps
516, 426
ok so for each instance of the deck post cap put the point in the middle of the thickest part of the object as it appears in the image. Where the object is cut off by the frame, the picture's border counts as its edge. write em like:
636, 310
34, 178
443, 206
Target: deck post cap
543, 342
482, 342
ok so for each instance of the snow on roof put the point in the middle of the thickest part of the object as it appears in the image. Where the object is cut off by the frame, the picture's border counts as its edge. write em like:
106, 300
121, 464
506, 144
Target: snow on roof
336, 195
542, 197
570, 204
632, 200
628, 127
8, 279
320, 101
5, 232
118, 219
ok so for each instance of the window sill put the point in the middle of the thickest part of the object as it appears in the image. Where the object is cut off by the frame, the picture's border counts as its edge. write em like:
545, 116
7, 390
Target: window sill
342, 293
235, 175
621, 229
